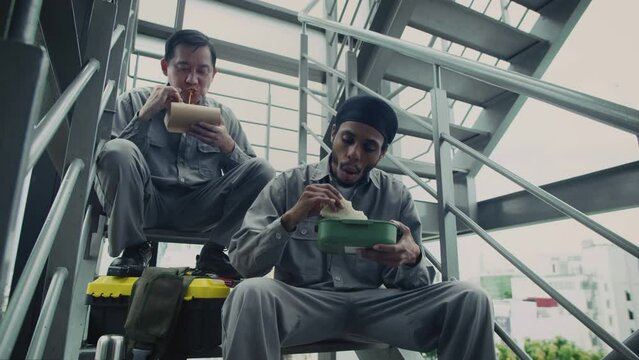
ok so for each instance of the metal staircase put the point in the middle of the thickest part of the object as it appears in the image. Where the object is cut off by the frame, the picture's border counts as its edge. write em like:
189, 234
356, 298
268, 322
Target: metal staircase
88, 45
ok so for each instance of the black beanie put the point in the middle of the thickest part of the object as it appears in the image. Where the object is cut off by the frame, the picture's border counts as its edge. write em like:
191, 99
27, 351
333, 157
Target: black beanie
371, 111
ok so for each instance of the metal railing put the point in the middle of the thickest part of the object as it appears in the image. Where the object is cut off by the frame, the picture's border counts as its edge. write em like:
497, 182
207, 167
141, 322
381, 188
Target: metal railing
44, 132
21, 297
607, 112
25, 21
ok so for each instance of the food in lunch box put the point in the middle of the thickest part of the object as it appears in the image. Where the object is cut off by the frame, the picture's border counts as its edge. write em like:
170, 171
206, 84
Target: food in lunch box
346, 212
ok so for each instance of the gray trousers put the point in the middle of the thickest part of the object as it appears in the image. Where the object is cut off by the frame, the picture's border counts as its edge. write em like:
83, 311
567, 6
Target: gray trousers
261, 315
133, 203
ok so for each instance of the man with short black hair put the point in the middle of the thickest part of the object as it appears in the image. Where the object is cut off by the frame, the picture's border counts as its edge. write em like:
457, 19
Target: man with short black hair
317, 296
202, 180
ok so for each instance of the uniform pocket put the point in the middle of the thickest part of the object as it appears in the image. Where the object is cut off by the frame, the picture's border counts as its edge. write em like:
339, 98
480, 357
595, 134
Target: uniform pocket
303, 259
209, 159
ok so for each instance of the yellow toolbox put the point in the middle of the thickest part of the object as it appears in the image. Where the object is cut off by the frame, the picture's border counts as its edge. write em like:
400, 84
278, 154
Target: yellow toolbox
198, 330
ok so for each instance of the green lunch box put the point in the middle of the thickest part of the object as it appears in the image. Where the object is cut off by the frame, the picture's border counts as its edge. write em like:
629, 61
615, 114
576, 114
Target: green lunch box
338, 236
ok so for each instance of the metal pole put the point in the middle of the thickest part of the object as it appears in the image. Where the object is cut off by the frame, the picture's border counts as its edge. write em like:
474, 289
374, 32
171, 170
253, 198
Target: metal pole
24, 21
511, 343
351, 70
85, 125
445, 185
303, 99
269, 109
570, 307
25, 288
549, 199
119, 30
28, 65
54, 117
106, 95
41, 333
331, 56
505, 15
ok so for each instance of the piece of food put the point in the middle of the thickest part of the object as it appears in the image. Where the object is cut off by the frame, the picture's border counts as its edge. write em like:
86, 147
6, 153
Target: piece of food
346, 212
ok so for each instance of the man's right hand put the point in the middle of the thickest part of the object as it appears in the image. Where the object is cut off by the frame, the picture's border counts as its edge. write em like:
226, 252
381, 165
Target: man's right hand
159, 100
313, 199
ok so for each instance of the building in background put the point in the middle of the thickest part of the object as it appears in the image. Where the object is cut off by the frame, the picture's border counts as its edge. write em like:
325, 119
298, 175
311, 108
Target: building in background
602, 281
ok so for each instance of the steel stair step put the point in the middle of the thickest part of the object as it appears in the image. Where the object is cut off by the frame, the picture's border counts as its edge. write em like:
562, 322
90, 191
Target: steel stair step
455, 22
535, 5
414, 73
408, 126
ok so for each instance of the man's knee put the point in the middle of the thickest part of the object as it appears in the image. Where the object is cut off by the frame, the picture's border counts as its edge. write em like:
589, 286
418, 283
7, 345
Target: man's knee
471, 293
248, 297
262, 171
115, 153
252, 289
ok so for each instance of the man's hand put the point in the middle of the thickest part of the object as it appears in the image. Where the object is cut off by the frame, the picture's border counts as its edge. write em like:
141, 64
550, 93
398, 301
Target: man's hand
159, 100
405, 251
313, 199
211, 134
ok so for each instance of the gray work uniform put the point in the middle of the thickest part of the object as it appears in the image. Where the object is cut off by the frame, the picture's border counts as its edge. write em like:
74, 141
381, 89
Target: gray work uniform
148, 177
317, 296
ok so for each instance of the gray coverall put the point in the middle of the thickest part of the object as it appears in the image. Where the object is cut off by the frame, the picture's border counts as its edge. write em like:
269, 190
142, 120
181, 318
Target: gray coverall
148, 177
317, 296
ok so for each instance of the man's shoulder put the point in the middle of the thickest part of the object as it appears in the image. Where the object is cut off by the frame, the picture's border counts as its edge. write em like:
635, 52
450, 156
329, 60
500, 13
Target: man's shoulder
141, 93
386, 180
211, 102
302, 172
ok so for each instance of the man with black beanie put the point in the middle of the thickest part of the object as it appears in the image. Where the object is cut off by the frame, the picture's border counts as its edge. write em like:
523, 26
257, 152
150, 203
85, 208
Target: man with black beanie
317, 296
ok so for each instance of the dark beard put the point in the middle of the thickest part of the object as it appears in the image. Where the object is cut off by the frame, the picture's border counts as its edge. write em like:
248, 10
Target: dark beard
333, 163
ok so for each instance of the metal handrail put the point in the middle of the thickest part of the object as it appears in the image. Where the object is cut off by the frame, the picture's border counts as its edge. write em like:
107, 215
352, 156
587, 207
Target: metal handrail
117, 32
106, 94
581, 316
607, 112
41, 332
24, 21
548, 198
44, 131
19, 303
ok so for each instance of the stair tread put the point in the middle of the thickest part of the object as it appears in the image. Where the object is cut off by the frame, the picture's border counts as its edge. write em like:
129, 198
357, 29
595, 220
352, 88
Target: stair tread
414, 73
410, 127
479, 32
533, 4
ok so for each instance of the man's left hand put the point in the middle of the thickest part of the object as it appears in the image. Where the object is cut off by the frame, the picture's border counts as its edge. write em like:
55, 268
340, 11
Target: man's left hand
216, 135
404, 252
